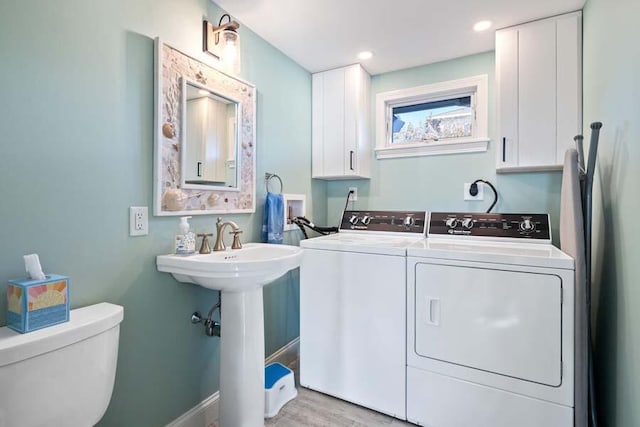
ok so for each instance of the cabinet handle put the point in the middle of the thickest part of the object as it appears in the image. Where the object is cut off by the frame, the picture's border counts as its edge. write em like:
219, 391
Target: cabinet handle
504, 149
351, 159
199, 172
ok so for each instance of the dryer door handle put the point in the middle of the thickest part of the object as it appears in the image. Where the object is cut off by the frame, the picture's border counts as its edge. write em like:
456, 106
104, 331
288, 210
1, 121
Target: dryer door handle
433, 311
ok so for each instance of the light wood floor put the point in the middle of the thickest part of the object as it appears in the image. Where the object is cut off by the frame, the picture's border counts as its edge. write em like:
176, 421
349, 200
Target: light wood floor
313, 409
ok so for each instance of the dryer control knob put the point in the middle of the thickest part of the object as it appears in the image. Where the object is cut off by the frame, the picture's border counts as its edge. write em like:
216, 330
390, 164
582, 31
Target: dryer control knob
452, 222
366, 220
527, 225
409, 221
467, 223
354, 219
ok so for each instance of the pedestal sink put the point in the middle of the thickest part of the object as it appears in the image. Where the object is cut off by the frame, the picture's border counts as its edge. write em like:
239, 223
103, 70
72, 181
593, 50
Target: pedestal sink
240, 275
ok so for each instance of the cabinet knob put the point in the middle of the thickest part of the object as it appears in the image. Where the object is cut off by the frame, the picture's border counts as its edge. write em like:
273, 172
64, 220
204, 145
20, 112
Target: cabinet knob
409, 222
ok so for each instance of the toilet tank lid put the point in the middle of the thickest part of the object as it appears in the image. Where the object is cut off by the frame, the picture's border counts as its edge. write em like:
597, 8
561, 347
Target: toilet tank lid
84, 322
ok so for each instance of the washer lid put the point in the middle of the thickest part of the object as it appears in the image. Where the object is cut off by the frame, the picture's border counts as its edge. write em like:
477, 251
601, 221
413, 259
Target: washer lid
537, 255
84, 323
382, 244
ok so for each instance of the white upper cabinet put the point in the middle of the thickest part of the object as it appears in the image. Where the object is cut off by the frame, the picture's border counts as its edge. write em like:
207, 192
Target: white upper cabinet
539, 92
340, 124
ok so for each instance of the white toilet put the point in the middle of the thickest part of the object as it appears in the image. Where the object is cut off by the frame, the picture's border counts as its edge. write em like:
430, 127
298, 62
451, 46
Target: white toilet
62, 375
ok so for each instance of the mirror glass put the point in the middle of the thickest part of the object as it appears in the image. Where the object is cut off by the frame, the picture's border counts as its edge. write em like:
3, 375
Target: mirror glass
209, 150
205, 138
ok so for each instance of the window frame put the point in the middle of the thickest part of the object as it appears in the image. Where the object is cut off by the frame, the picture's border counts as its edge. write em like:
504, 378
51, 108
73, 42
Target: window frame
476, 87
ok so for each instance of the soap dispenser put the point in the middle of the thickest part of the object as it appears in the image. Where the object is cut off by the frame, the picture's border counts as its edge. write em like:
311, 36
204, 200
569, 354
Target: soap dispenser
185, 243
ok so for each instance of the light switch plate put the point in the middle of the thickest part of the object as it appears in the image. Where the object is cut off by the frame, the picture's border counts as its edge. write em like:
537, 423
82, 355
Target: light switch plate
138, 221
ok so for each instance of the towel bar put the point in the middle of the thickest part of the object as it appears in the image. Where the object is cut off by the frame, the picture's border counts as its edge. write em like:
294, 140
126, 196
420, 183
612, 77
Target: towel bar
268, 176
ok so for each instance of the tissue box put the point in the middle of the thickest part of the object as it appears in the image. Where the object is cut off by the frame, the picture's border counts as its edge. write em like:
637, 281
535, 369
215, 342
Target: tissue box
36, 304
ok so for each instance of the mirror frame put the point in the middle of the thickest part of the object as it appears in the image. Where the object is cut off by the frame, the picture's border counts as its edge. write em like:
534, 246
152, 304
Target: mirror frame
172, 67
183, 153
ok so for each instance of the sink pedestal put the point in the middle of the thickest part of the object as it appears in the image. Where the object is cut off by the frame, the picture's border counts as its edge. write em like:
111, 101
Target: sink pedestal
242, 359
240, 276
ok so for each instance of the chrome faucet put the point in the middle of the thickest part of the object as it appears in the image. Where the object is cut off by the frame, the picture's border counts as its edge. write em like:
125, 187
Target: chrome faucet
235, 230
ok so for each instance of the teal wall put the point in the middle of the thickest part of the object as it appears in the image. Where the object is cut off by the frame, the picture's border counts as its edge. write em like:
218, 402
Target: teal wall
77, 122
436, 182
612, 96
77, 144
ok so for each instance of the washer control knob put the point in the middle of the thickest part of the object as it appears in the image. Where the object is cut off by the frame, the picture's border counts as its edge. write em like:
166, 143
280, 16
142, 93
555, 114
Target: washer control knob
452, 222
366, 220
527, 225
468, 223
354, 219
409, 221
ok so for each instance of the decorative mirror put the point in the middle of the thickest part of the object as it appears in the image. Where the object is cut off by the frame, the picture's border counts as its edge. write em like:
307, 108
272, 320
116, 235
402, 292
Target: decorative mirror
205, 138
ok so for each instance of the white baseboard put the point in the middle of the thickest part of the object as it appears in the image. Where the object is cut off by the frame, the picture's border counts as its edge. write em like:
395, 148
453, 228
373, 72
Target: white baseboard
206, 412
286, 354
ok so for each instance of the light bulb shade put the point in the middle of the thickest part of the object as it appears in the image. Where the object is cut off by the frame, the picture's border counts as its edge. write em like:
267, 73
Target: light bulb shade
223, 42
230, 50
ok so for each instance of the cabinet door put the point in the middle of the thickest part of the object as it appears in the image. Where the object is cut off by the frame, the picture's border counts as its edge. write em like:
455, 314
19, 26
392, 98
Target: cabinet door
539, 87
215, 141
537, 94
351, 102
194, 158
507, 87
317, 125
332, 111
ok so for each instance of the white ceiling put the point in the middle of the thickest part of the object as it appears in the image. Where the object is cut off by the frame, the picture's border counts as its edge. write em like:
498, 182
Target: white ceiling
324, 34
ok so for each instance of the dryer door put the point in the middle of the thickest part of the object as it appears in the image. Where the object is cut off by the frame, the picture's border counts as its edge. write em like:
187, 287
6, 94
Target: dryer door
500, 321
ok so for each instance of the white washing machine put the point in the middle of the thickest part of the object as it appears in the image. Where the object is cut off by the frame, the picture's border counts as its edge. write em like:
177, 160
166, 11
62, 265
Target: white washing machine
353, 309
490, 326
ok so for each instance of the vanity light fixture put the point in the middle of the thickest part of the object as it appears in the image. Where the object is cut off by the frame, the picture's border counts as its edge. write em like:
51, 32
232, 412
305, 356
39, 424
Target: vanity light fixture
223, 42
365, 54
482, 25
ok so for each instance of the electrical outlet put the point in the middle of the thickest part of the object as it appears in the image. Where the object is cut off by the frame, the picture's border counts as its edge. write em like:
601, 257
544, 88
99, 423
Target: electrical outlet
354, 195
479, 196
138, 221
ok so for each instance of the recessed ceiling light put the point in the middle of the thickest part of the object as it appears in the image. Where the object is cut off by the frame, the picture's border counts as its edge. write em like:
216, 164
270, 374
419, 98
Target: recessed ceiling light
203, 92
365, 55
482, 25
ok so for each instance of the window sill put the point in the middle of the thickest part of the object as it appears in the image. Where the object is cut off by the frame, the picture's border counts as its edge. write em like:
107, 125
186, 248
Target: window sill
475, 145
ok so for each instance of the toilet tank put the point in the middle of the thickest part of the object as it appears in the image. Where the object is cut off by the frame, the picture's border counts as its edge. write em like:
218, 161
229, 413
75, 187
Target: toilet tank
62, 375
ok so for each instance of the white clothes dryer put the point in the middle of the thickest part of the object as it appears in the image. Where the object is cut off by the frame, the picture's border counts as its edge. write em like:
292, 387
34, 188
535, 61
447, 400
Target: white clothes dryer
490, 326
353, 309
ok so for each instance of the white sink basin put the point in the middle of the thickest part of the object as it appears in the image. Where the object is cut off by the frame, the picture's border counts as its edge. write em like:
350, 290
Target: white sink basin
240, 275
238, 270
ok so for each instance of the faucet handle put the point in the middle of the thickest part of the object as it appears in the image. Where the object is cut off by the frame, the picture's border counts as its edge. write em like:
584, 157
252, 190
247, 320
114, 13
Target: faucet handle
236, 239
205, 248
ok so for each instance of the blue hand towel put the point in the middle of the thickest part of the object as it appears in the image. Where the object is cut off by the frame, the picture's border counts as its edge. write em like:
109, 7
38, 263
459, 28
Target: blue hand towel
273, 221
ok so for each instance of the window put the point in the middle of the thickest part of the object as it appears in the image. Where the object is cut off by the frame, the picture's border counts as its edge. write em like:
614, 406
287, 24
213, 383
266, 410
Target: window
441, 118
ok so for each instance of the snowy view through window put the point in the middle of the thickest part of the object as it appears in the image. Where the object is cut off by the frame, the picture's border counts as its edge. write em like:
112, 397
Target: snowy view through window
432, 121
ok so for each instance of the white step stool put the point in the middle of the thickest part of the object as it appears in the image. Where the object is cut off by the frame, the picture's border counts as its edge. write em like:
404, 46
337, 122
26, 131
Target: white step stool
279, 388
